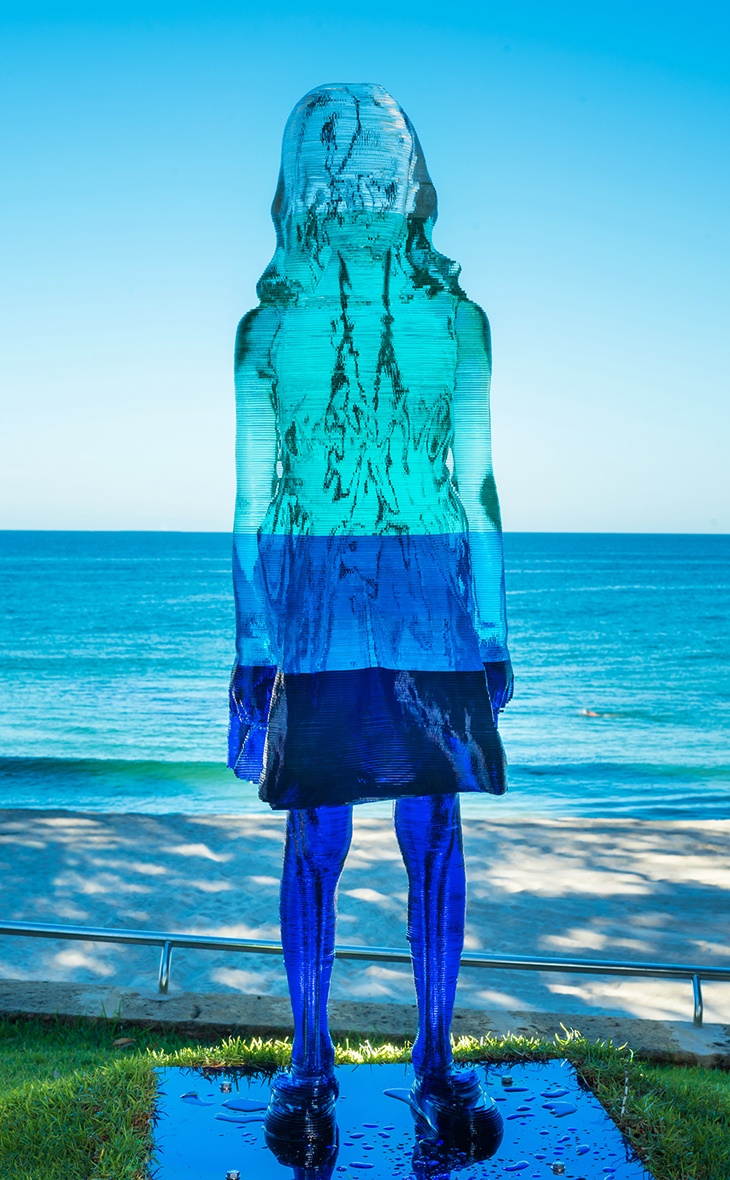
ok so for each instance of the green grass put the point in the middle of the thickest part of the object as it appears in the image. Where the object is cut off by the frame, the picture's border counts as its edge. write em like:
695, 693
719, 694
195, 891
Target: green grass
74, 1107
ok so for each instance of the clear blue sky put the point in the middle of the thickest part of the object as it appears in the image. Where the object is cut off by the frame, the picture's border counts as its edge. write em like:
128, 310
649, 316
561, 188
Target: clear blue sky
580, 155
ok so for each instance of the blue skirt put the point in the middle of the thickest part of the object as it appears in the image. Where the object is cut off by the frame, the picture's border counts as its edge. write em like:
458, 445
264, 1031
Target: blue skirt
361, 735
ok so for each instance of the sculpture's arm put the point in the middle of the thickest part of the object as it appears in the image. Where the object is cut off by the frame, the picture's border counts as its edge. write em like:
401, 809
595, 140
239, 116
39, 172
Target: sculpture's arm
474, 477
253, 673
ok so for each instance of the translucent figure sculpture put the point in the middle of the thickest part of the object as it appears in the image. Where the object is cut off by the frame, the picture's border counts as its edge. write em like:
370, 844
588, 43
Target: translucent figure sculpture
371, 634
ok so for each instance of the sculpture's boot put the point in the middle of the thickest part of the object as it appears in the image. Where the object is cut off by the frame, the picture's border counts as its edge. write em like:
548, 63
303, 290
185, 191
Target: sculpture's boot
438, 1157
300, 1126
452, 1110
456, 1123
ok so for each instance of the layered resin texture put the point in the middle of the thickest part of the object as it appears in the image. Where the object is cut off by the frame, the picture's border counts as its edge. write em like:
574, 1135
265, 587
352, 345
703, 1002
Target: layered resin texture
368, 559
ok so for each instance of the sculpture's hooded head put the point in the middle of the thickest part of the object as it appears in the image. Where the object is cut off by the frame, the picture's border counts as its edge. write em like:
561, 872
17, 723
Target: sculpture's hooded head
351, 157
351, 149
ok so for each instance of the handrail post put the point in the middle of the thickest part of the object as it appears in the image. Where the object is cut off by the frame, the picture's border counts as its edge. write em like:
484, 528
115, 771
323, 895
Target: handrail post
697, 991
163, 978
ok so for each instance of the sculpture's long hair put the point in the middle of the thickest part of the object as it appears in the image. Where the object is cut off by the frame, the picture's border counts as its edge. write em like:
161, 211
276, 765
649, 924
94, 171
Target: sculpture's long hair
351, 149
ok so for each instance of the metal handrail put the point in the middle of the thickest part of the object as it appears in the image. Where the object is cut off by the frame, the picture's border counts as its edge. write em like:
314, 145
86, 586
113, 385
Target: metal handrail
374, 954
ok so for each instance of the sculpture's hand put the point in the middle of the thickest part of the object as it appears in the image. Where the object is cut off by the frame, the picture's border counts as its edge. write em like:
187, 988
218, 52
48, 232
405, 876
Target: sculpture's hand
249, 697
500, 682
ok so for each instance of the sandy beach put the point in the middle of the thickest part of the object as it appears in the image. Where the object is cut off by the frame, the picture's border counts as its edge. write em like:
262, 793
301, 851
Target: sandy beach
617, 889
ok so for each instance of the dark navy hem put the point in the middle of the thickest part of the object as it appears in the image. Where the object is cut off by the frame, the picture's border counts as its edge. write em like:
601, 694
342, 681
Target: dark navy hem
378, 734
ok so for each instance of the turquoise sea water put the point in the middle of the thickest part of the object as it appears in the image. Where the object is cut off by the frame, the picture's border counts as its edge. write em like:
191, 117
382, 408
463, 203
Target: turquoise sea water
115, 650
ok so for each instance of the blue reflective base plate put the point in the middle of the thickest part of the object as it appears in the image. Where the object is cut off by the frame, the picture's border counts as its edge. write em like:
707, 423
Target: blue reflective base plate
554, 1126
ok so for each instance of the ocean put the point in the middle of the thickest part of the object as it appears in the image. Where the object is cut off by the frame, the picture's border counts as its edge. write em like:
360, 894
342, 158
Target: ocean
115, 652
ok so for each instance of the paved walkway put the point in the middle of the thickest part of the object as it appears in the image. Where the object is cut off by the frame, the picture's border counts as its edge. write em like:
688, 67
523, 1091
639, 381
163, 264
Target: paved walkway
613, 889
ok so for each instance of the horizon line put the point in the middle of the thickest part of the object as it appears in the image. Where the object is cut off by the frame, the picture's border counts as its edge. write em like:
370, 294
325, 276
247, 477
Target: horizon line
505, 532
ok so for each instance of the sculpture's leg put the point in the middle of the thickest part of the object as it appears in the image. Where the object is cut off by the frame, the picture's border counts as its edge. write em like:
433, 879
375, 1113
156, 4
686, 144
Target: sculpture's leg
300, 1125
317, 840
448, 1102
428, 828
